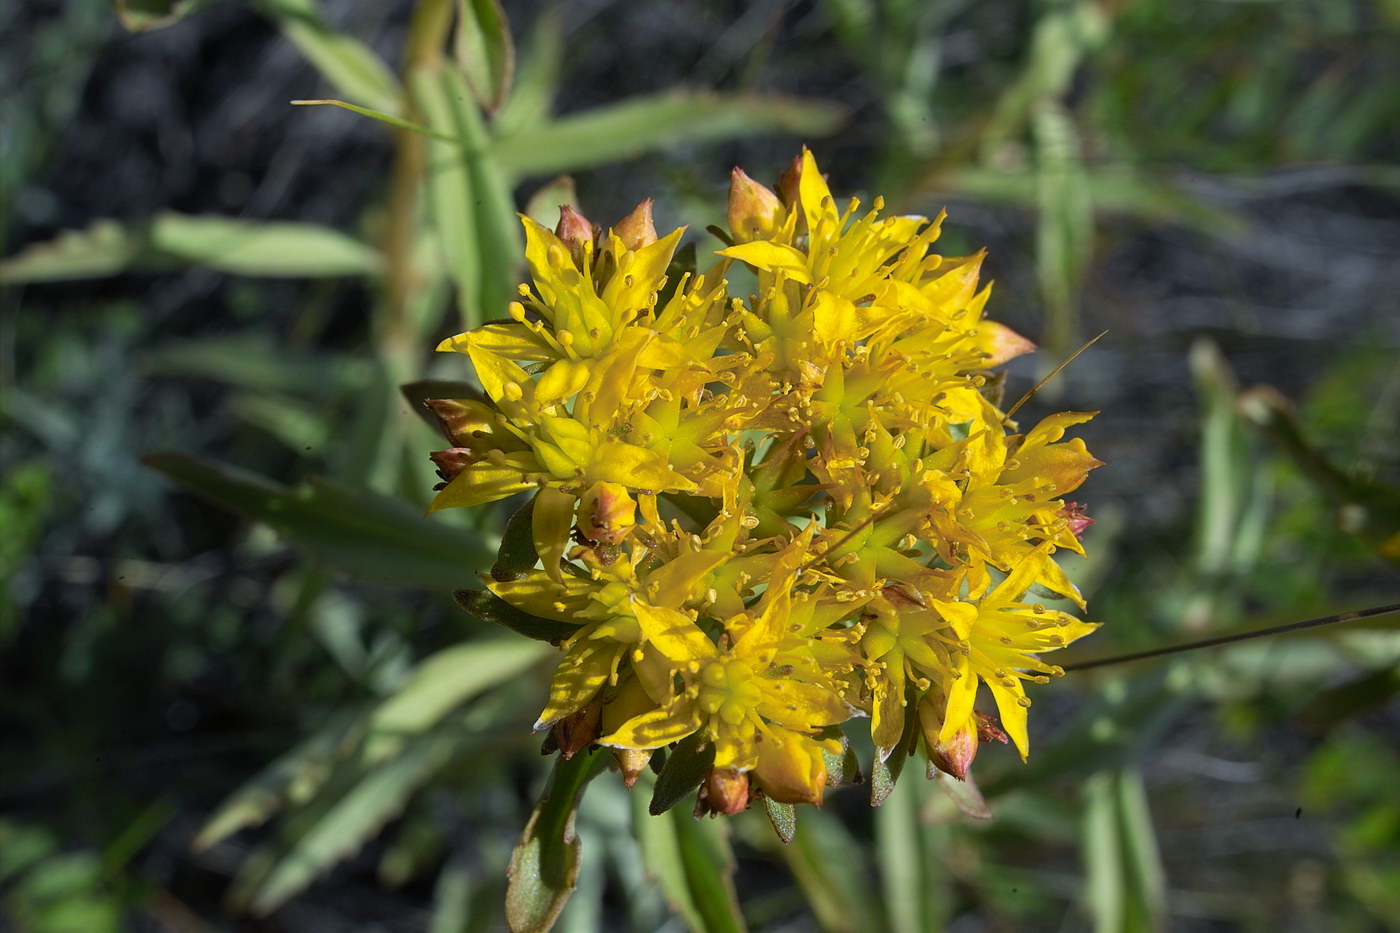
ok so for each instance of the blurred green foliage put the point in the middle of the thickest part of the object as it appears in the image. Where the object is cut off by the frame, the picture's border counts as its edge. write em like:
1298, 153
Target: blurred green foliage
213, 703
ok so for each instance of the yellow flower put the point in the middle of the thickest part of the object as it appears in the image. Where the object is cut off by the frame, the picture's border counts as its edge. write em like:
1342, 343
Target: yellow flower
762, 516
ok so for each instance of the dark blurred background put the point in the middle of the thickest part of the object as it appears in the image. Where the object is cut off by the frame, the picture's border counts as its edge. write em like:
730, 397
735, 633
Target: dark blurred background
1216, 184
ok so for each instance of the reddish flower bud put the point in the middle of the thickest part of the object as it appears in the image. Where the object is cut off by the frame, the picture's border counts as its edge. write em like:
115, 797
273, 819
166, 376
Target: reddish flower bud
574, 230
725, 791
451, 462
788, 181
955, 755
637, 229
755, 213
455, 416
578, 730
1073, 513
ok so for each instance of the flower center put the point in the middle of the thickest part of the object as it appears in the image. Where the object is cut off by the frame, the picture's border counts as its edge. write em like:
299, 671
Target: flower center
728, 689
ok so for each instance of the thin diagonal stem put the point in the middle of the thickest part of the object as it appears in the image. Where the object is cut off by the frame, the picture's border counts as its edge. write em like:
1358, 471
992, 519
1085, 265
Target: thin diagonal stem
1238, 636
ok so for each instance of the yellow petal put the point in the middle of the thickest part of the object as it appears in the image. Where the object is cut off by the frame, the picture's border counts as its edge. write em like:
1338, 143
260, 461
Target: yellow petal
561, 380
772, 257
1008, 695
962, 616
673, 633
636, 467
657, 727
817, 203
736, 747
801, 705
792, 770
550, 523
962, 696
577, 679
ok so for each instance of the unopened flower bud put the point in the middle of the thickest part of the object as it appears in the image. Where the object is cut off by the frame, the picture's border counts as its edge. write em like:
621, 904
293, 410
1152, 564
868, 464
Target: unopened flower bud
574, 230
637, 229
788, 182
578, 730
606, 513
755, 213
1073, 513
455, 416
632, 761
725, 791
954, 754
451, 462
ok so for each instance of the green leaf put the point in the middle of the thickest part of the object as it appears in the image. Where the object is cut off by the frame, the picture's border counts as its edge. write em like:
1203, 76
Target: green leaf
544, 865
517, 555
1124, 886
842, 767
488, 607
440, 684
471, 202
346, 63
144, 15
685, 768
300, 771
272, 249
829, 866
333, 828
387, 118
643, 124
484, 51
964, 793
692, 863
783, 817
884, 774
362, 533
537, 77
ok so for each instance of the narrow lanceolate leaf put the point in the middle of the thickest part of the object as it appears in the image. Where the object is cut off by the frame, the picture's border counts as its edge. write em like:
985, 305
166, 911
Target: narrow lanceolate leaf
144, 15
304, 767
692, 863
517, 555
388, 119
484, 51
353, 530
544, 865
685, 768
469, 196
177, 241
644, 124
335, 827
347, 64
443, 682
488, 607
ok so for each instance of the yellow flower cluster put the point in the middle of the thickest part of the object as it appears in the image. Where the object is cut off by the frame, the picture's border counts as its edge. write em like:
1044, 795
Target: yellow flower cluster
757, 518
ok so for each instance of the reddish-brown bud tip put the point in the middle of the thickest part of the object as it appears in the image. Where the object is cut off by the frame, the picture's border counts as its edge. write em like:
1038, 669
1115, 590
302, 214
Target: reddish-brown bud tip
573, 227
637, 229
725, 791
451, 462
755, 213
788, 181
454, 417
633, 762
578, 730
